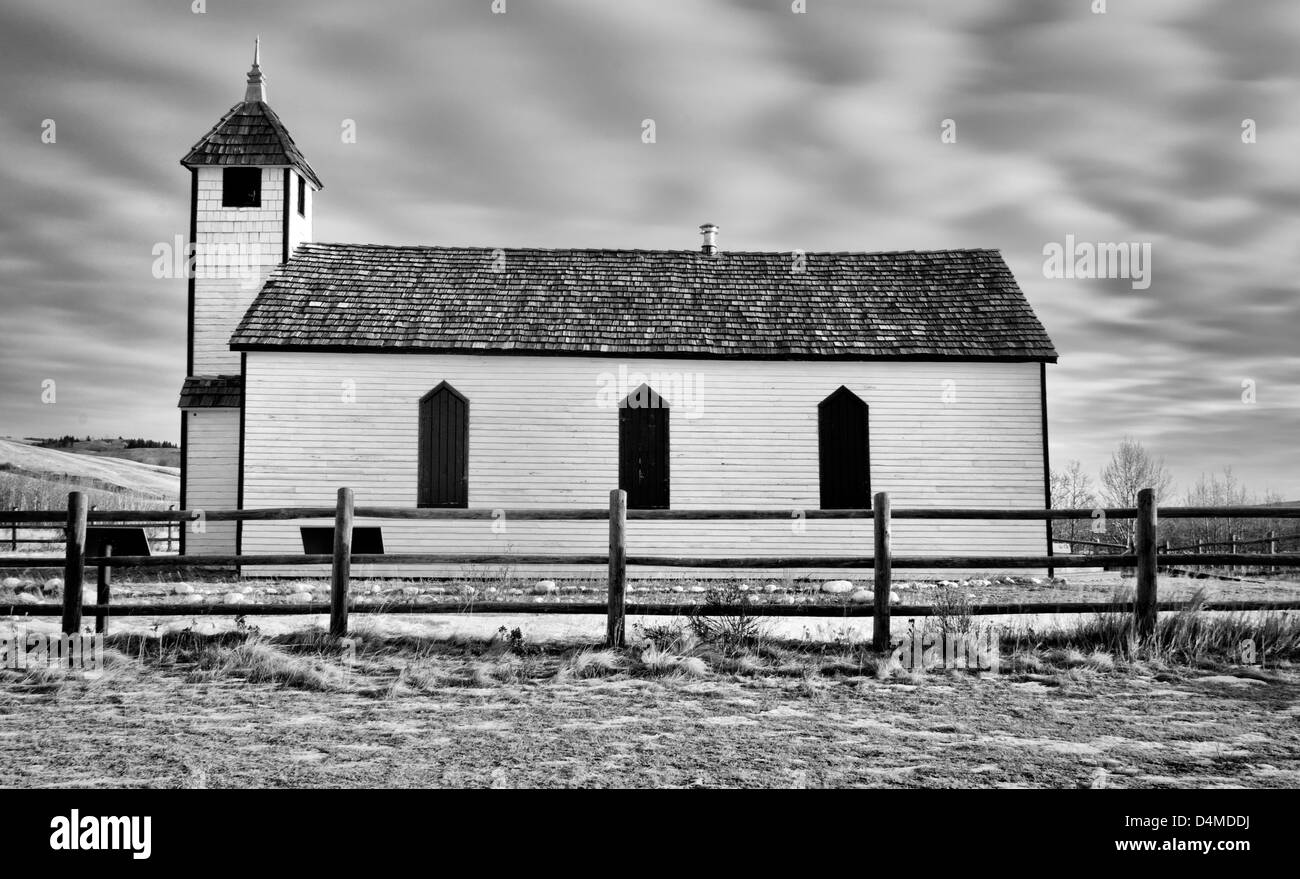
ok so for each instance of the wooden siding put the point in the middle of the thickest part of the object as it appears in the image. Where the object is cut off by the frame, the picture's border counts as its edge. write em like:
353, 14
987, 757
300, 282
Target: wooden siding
231, 241
300, 227
545, 433
212, 475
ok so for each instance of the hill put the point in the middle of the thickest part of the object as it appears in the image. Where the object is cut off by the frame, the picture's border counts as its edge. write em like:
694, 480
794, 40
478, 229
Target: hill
159, 456
23, 465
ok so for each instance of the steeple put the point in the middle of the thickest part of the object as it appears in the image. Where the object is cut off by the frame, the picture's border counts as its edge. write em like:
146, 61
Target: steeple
256, 90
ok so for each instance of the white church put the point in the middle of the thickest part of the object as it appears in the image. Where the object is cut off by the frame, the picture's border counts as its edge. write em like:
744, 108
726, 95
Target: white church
496, 378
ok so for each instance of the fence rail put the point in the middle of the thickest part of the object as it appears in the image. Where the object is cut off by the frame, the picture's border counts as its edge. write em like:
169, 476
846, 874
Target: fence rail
1144, 556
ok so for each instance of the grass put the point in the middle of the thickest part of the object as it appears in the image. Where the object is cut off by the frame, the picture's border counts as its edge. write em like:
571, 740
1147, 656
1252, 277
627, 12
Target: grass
244, 708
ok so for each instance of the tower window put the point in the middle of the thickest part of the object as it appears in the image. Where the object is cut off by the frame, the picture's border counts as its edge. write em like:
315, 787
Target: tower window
241, 188
302, 197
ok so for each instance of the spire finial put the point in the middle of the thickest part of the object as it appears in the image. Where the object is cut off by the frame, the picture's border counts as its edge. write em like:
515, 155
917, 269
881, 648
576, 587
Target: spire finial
256, 90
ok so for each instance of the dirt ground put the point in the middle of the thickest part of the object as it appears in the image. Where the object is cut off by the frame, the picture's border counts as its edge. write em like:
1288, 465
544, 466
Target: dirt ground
463, 723
457, 720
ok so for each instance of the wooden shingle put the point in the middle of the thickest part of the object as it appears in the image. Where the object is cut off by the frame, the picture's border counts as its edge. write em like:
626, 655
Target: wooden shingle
914, 304
249, 134
212, 392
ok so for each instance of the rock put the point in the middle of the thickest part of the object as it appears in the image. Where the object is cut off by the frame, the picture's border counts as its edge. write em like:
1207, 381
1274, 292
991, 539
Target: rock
410, 590
301, 598
743, 587
234, 598
893, 598
194, 598
679, 589
979, 583
1036, 581
770, 588
698, 590
837, 587
26, 598
862, 596
947, 584
54, 584
12, 582
545, 587
183, 589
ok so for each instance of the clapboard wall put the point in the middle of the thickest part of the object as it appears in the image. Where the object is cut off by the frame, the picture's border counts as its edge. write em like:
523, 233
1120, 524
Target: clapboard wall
544, 433
211, 476
236, 248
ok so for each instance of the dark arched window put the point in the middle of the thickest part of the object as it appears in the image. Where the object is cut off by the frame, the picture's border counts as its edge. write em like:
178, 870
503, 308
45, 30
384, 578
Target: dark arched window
643, 449
843, 452
444, 448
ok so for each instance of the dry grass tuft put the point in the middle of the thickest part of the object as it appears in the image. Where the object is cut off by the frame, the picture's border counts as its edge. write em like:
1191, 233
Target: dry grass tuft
257, 661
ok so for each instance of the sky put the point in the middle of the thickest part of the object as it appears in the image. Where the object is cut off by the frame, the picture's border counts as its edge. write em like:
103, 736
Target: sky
1171, 125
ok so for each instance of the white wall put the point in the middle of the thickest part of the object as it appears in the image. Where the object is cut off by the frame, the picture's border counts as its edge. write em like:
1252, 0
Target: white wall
236, 249
211, 476
299, 226
539, 438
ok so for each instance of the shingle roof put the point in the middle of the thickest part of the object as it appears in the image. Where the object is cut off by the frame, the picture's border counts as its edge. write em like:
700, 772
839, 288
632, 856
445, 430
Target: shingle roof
249, 134
951, 303
212, 392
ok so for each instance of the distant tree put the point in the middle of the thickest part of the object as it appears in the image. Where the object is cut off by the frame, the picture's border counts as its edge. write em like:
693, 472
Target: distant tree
1072, 489
1132, 468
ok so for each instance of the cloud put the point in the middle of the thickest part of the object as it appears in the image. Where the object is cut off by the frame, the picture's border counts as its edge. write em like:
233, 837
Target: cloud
817, 131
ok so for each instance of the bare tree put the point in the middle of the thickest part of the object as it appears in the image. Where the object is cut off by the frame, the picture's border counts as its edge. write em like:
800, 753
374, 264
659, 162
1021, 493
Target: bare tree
1132, 468
1072, 490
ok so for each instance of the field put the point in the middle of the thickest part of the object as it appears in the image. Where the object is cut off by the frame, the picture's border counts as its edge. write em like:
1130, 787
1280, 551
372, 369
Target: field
435, 708
32, 477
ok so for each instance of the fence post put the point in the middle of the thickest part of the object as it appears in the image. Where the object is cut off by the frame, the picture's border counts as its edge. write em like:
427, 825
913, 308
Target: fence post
170, 526
882, 580
1272, 550
1232, 548
13, 535
1144, 544
615, 636
74, 560
102, 593
1200, 544
342, 564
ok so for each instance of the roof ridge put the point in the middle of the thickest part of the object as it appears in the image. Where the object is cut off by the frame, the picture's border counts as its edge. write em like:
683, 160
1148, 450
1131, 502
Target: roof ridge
696, 251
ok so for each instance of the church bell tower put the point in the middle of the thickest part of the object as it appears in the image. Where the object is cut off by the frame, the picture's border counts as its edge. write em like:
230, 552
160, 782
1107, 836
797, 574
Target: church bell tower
251, 198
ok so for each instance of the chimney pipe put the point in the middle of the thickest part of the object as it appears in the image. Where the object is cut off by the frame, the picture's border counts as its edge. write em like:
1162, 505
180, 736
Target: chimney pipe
710, 233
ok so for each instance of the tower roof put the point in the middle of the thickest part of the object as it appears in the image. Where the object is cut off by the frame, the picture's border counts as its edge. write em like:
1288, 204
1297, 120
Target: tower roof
250, 134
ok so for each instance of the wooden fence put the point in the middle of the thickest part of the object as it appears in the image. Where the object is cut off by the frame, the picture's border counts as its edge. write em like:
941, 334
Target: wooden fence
1144, 557
167, 532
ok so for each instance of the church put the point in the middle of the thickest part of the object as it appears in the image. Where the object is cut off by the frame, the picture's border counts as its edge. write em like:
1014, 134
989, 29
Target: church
494, 378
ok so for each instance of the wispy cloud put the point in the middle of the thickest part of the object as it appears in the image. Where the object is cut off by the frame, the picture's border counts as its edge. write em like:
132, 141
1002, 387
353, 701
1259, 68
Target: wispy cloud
818, 131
